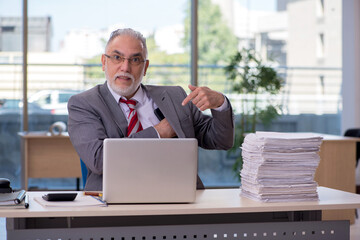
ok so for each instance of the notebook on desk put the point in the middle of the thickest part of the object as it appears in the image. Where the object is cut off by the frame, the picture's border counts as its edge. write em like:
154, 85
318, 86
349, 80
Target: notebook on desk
149, 170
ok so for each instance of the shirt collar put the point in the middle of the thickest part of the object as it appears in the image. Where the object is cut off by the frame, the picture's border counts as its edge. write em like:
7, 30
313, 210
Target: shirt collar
139, 95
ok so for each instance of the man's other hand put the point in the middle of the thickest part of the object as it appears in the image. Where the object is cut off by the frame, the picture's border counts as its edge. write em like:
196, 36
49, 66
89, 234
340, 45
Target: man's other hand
164, 129
204, 98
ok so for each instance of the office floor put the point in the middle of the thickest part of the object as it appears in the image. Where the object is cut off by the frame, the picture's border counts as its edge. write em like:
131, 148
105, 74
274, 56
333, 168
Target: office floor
354, 229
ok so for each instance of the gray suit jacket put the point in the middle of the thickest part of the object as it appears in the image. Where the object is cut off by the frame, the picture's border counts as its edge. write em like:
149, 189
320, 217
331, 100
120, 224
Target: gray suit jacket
95, 115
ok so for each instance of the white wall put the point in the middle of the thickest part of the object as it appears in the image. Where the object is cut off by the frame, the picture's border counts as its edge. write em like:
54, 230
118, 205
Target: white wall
351, 65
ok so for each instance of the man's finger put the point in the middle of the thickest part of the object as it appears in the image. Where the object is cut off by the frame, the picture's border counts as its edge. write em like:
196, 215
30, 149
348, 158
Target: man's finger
191, 95
191, 87
186, 100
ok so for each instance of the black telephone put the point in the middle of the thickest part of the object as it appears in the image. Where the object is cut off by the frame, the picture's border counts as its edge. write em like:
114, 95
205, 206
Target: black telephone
159, 114
5, 185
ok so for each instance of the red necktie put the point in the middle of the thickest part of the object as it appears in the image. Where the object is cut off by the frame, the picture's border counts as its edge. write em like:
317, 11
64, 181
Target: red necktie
134, 123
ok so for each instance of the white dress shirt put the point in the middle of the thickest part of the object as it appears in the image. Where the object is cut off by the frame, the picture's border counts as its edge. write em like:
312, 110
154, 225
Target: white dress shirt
145, 107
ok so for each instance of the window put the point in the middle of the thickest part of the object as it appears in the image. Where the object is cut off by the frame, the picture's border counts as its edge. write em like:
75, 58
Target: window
6, 29
64, 97
292, 37
65, 54
10, 90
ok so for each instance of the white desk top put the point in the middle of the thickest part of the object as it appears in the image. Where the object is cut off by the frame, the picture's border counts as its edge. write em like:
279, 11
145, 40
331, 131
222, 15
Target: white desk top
209, 201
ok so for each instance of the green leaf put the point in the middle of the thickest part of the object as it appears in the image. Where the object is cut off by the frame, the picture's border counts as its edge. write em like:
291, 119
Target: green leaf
251, 77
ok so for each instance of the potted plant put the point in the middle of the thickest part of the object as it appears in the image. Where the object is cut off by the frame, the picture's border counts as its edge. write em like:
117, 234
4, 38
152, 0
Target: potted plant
257, 84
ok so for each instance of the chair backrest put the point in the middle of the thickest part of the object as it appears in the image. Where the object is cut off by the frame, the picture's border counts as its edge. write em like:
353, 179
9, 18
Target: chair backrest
354, 132
84, 172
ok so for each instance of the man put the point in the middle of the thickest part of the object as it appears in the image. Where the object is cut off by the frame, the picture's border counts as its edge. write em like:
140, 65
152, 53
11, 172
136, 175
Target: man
105, 112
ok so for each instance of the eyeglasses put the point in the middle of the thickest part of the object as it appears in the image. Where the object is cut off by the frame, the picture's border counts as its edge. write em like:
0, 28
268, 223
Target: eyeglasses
117, 59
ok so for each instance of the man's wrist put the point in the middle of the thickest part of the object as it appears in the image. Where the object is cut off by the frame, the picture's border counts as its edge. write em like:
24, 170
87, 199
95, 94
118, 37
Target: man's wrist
158, 134
223, 106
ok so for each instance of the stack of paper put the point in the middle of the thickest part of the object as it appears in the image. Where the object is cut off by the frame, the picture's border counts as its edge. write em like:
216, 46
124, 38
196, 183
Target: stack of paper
280, 166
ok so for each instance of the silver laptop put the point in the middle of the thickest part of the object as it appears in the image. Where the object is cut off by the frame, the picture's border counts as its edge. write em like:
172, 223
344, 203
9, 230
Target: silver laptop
149, 170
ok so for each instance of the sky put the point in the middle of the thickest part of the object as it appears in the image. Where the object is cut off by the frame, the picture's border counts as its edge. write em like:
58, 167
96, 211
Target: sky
148, 15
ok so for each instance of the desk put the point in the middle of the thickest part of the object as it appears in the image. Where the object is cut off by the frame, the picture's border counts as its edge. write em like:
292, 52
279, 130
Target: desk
216, 214
46, 156
337, 170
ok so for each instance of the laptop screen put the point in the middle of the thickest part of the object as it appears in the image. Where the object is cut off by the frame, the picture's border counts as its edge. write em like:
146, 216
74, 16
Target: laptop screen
149, 170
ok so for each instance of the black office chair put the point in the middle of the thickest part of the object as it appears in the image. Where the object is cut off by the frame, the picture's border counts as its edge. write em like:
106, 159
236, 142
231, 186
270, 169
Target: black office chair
354, 132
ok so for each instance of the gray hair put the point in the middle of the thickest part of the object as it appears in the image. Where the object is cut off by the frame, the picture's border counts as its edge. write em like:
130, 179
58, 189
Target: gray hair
128, 32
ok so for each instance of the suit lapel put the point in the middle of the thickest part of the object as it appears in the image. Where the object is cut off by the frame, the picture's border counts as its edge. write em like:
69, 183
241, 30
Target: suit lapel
163, 100
114, 109
159, 95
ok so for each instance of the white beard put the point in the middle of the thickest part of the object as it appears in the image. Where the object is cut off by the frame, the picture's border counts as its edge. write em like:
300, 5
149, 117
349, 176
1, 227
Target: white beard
124, 91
